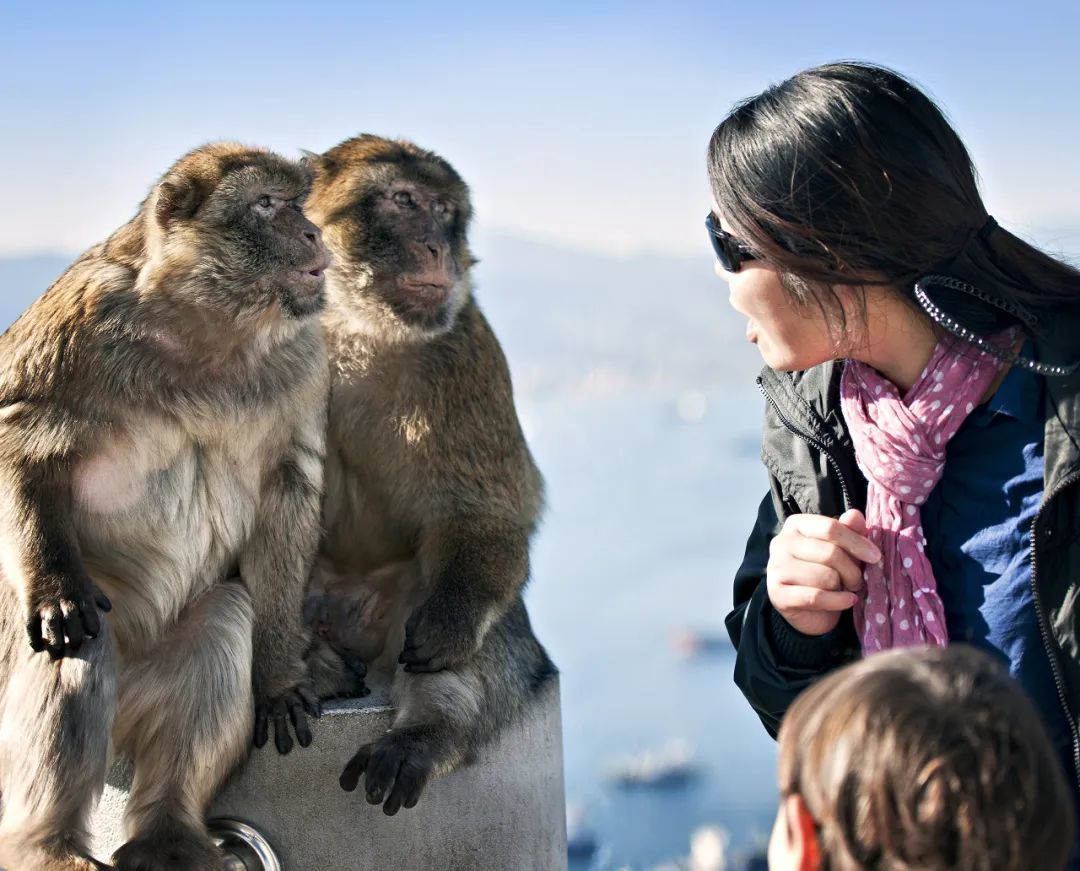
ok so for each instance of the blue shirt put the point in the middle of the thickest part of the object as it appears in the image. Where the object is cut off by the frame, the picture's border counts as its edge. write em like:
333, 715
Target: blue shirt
977, 524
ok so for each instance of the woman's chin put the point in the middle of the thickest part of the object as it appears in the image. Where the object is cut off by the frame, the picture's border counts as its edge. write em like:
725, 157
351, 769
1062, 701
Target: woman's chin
783, 359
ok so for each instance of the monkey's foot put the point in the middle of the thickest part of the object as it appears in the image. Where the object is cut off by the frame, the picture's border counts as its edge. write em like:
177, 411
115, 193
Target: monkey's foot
169, 849
396, 769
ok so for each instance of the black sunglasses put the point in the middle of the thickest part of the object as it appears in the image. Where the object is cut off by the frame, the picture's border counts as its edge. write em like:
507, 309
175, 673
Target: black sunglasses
729, 251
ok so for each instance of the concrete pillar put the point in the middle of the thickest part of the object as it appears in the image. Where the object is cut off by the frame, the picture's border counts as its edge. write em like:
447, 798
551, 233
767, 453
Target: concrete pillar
505, 813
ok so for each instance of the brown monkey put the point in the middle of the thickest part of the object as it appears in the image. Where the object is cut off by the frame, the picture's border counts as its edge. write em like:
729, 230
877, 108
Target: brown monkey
432, 495
162, 414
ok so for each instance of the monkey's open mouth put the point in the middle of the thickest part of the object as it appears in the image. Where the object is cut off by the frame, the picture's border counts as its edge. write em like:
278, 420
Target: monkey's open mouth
312, 277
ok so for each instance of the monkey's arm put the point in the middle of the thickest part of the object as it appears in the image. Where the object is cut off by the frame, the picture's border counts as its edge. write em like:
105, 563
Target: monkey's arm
478, 569
276, 566
474, 547
41, 558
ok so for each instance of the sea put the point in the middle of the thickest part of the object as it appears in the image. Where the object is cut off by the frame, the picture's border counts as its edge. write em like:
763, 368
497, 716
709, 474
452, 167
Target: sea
651, 494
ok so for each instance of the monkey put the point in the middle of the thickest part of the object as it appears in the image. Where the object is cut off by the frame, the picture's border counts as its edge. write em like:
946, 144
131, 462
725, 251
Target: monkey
432, 495
162, 431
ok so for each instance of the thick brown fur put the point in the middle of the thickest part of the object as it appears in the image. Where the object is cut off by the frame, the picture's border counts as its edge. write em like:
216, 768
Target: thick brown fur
162, 414
432, 494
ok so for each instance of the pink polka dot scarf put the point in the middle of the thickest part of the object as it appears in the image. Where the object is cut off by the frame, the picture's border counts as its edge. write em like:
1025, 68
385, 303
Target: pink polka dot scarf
900, 448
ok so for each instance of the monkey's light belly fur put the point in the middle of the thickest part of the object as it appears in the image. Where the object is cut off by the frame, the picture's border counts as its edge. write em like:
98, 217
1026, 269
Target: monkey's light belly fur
505, 813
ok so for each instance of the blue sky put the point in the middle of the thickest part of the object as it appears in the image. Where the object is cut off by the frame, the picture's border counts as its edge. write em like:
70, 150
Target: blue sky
579, 123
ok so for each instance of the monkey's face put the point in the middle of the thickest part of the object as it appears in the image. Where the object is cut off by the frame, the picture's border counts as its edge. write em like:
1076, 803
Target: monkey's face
397, 223
248, 233
356, 622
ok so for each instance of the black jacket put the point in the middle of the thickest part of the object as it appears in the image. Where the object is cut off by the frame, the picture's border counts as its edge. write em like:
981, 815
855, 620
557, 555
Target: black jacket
811, 462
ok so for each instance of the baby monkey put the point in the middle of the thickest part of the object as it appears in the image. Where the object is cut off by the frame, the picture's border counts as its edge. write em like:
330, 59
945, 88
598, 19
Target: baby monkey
432, 494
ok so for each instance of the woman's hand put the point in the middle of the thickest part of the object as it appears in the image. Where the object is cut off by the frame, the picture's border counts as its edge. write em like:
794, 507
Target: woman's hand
815, 567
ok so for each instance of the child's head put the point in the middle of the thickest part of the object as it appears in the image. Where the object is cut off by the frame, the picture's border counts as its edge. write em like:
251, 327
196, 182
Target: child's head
919, 759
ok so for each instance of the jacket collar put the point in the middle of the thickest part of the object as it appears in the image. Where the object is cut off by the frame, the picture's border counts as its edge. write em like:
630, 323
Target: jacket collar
811, 399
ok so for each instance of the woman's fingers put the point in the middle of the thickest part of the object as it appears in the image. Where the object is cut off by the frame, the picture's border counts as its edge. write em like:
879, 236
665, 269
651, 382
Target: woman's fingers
828, 554
789, 597
829, 529
854, 520
815, 567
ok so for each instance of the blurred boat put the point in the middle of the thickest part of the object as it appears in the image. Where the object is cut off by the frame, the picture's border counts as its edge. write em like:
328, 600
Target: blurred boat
580, 838
672, 766
688, 643
708, 852
709, 849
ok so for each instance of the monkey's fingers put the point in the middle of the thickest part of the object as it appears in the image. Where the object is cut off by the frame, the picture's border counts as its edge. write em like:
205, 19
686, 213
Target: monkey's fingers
423, 658
73, 624
102, 601
311, 702
261, 725
424, 655
359, 671
54, 633
410, 782
33, 629
425, 667
414, 794
382, 771
356, 766
393, 801
299, 721
415, 654
89, 616
282, 739
355, 664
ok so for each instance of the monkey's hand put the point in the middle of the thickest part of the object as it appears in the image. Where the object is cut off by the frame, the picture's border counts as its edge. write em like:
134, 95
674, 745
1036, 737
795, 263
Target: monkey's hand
355, 672
442, 633
62, 611
335, 673
282, 709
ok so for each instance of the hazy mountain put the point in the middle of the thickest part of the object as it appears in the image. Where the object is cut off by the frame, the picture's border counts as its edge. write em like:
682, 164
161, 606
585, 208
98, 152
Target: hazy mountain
569, 320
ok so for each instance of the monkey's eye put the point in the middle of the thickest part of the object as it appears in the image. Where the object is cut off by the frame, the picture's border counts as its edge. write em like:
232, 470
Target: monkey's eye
264, 206
439, 207
404, 198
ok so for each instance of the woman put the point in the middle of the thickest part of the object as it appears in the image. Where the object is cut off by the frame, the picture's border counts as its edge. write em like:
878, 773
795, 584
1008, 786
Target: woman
925, 471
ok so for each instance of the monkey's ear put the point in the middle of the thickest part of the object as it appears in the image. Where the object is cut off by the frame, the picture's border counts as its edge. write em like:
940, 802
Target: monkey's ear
178, 198
319, 164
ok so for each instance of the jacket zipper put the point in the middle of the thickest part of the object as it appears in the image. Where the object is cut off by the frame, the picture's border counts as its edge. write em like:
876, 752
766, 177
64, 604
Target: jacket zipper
1044, 630
809, 439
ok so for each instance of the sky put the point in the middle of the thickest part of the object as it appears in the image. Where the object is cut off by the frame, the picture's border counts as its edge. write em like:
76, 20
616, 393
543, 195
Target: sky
582, 124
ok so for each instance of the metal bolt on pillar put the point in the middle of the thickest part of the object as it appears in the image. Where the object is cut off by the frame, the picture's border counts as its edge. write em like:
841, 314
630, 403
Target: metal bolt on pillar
246, 848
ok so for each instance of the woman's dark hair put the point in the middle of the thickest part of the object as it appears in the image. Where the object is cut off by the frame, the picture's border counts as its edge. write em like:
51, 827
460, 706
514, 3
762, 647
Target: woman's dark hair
848, 170
926, 759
